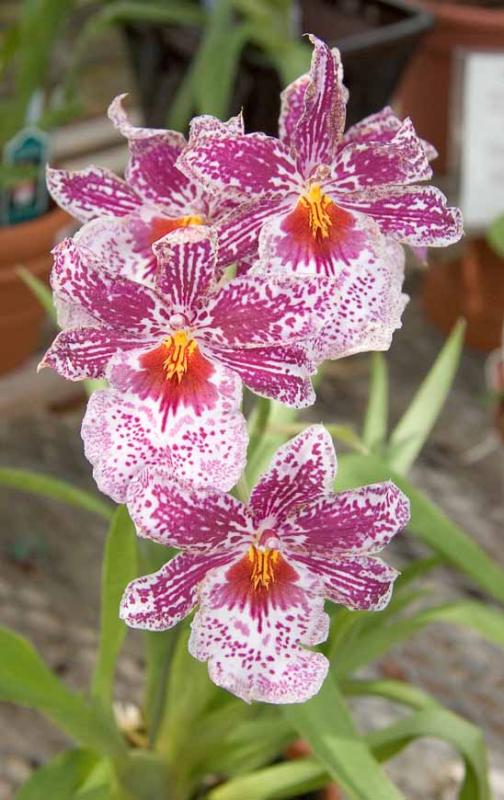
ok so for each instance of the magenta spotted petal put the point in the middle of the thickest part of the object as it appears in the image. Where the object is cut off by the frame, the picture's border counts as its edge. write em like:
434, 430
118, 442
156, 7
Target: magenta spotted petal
170, 339
303, 189
126, 217
123, 435
269, 566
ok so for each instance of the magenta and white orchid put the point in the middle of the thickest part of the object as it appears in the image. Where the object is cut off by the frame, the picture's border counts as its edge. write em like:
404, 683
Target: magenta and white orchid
259, 573
324, 199
175, 354
125, 217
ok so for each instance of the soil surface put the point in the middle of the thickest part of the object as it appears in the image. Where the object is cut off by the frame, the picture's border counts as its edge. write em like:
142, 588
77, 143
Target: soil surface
49, 572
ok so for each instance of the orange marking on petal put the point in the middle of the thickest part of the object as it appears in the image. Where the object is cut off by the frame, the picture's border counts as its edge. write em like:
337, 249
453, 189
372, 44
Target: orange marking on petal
160, 226
263, 563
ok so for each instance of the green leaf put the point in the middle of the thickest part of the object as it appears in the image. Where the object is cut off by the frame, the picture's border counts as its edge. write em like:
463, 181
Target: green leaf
281, 782
428, 522
119, 568
495, 236
325, 723
60, 778
47, 486
26, 680
377, 640
216, 62
376, 419
275, 434
444, 725
190, 692
397, 691
415, 425
41, 292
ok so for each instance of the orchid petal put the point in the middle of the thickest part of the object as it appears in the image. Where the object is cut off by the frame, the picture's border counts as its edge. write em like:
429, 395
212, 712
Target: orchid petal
358, 582
362, 165
367, 308
258, 309
281, 373
300, 471
187, 260
415, 215
238, 232
381, 127
358, 521
320, 128
253, 643
251, 164
151, 169
123, 244
92, 192
85, 352
157, 602
123, 435
191, 517
78, 278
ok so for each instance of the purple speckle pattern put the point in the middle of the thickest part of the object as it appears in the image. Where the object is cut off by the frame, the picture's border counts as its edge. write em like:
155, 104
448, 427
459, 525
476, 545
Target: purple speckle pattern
92, 192
294, 545
371, 169
187, 266
123, 434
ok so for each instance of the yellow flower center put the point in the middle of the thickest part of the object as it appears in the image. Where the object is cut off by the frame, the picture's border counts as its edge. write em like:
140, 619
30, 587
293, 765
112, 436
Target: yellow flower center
263, 566
317, 204
179, 348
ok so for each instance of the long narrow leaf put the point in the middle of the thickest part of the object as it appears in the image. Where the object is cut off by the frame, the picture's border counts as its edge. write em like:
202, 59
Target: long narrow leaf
375, 642
397, 691
326, 725
440, 724
280, 782
60, 778
376, 419
41, 291
428, 522
47, 486
414, 427
26, 680
119, 568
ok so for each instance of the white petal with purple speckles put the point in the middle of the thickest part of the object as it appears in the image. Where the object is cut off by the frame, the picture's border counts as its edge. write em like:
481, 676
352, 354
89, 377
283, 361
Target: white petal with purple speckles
358, 582
183, 515
357, 521
254, 650
157, 602
92, 192
301, 470
122, 435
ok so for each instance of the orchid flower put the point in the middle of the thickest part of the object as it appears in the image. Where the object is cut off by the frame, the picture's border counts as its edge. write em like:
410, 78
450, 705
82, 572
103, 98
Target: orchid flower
324, 200
125, 217
259, 573
176, 354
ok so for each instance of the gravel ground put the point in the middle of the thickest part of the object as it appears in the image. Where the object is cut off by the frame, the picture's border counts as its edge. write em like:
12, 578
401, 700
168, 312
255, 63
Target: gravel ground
49, 572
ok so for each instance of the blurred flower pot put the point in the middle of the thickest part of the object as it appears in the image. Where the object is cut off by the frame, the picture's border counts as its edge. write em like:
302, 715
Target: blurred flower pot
301, 749
425, 93
471, 286
376, 38
27, 245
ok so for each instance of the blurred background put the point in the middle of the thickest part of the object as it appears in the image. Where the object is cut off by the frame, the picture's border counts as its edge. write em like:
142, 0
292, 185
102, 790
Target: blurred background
61, 63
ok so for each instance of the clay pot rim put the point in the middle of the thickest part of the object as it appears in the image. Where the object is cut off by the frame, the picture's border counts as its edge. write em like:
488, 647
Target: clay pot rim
31, 239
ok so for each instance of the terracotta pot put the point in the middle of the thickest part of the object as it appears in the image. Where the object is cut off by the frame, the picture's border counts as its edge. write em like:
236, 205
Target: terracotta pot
472, 286
27, 244
425, 93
